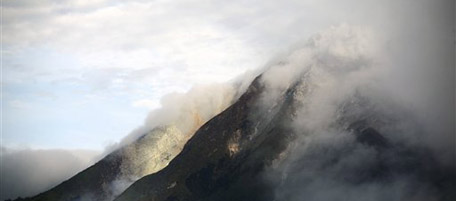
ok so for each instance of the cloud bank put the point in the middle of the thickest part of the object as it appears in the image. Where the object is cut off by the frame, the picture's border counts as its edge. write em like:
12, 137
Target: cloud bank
375, 111
28, 172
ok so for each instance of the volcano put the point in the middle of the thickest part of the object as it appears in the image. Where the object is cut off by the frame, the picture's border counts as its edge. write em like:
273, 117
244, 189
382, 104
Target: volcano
311, 126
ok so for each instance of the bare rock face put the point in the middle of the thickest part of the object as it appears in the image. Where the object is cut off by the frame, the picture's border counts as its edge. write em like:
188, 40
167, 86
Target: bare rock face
270, 149
254, 151
314, 126
114, 173
222, 161
246, 153
151, 152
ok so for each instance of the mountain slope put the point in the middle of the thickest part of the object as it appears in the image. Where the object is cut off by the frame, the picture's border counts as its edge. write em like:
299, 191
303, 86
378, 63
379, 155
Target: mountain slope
116, 171
247, 153
232, 145
148, 148
319, 124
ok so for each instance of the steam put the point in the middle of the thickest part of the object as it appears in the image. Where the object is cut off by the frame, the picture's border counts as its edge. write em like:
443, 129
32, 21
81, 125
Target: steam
397, 78
146, 150
348, 75
188, 111
151, 147
28, 172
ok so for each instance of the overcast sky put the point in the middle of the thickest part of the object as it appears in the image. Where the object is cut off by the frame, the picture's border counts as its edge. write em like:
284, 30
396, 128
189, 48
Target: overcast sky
82, 74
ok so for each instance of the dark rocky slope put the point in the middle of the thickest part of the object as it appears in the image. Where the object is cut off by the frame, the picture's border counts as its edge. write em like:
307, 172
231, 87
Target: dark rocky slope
320, 124
222, 160
248, 152
234, 156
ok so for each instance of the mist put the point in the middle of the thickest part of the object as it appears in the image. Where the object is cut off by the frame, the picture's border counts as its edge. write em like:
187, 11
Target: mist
388, 66
166, 130
392, 79
27, 172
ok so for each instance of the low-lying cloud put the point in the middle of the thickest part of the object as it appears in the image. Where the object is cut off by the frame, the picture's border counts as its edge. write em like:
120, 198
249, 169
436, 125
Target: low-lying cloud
375, 114
28, 172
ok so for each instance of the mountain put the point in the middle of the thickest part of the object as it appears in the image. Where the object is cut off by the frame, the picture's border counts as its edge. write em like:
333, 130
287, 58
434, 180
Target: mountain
231, 156
116, 171
223, 158
148, 148
321, 123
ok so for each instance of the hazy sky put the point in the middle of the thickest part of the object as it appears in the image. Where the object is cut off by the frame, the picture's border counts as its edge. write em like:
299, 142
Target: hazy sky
84, 73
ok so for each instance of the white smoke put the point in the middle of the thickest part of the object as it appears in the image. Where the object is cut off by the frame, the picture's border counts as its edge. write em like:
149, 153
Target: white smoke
151, 147
188, 111
403, 64
351, 73
344, 65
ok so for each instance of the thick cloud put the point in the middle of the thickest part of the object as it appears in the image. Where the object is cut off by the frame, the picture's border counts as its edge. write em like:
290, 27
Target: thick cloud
152, 146
393, 85
28, 172
398, 63
188, 111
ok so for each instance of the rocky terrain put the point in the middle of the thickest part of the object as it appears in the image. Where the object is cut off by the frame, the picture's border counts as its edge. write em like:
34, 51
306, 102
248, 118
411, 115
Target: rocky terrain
315, 125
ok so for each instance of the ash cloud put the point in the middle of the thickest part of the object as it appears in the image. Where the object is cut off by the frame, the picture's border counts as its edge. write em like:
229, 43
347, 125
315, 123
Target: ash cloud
28, 172
358, 85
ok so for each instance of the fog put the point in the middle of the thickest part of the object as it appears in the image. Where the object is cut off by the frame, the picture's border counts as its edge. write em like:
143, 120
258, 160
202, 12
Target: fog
394, 76
152, 146
390, 65
188, 111
27, 172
